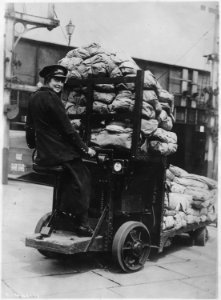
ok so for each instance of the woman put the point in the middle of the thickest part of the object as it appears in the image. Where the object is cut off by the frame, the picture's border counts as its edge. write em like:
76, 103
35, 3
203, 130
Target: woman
49, 130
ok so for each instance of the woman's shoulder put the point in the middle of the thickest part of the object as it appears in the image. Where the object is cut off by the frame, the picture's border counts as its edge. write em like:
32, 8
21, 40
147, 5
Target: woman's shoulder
45, 91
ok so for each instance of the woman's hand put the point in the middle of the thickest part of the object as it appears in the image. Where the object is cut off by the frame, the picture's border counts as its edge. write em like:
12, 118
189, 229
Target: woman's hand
91, 152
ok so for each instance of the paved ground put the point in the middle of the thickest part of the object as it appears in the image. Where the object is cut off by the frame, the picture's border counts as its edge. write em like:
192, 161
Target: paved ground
181, 271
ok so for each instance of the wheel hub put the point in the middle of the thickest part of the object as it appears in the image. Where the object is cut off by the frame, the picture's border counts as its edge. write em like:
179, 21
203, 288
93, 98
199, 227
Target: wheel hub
137, 248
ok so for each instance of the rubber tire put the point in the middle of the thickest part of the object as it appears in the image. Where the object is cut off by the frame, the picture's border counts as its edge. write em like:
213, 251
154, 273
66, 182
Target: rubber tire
41, 223
118, 242
200, 236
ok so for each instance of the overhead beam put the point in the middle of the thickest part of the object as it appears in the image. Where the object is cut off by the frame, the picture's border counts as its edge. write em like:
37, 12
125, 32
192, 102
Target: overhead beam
32, 20
20, 87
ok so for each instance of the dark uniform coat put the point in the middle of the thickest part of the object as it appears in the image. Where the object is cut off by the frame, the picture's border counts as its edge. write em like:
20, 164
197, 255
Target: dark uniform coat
49, 130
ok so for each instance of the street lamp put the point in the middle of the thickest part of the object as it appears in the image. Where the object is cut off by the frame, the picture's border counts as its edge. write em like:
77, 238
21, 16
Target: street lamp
69, 29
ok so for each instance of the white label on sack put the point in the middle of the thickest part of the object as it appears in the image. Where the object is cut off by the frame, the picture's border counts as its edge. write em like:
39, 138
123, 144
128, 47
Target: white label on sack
18, 156
21, 167
14, 167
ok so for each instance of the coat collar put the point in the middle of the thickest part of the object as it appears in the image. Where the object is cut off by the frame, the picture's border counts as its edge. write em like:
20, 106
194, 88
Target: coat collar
46, 88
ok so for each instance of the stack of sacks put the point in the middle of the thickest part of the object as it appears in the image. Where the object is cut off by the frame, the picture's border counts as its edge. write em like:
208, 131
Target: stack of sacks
175, 211
192, 194
116, 134
157, 120
161, 141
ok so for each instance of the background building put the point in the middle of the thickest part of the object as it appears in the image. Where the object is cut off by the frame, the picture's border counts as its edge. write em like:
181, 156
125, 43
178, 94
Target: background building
192, 81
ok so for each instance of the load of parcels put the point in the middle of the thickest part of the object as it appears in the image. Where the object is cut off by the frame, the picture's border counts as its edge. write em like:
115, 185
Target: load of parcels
157, 119
191, 199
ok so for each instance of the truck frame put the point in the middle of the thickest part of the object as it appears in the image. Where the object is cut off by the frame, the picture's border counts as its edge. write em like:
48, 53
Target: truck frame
127, 204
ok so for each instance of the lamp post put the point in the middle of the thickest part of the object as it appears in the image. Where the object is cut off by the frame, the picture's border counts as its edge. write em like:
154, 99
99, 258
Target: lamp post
69, 29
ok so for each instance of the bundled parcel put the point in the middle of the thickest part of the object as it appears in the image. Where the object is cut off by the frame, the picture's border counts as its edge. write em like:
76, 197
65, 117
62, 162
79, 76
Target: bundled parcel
157, 106
191, 199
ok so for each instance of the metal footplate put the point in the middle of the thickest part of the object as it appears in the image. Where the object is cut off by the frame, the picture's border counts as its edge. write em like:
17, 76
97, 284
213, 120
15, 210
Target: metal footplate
63, 242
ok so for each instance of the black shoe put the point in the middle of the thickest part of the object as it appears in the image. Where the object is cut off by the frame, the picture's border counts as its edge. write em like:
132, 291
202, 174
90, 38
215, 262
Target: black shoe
84, 231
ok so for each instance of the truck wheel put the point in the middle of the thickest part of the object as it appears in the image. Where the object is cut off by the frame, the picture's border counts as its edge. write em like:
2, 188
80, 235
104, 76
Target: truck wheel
200, 236
41, 223
131, 246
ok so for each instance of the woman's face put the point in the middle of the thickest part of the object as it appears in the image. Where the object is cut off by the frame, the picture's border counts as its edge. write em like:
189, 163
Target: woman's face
56, 84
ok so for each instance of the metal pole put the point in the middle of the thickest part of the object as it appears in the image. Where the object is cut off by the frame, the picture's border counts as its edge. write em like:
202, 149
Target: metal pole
214, 71
211, 145
214, 79
51, 11
8, 56
215, 75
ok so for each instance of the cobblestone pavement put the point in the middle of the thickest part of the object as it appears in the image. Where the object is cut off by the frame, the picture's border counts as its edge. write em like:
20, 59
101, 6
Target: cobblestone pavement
181, 271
